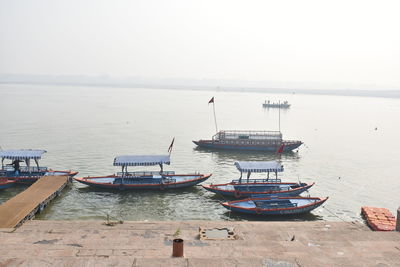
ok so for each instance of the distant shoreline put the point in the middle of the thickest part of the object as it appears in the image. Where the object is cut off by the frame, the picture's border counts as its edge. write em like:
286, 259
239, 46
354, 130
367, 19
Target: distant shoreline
337, 92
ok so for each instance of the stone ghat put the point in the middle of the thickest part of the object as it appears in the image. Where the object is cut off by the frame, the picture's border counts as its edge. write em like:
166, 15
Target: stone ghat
92, 243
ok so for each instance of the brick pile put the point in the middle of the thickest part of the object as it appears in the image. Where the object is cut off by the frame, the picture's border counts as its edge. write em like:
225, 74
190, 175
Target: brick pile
379, 219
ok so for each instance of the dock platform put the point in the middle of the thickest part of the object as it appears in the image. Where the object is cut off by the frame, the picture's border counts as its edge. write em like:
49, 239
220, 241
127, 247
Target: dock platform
25, 205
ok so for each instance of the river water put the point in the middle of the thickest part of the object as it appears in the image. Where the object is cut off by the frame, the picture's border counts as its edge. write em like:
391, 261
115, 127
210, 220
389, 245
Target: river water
350, 146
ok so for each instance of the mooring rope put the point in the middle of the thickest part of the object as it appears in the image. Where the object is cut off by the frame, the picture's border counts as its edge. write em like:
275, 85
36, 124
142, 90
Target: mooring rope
337, 216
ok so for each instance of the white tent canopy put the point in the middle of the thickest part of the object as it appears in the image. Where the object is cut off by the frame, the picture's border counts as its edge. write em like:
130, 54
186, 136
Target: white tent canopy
22, 154
141, 160
259, 166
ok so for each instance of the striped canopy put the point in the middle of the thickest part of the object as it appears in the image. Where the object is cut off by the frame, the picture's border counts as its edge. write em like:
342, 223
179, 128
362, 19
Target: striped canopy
141, 160
22, 154
259, 166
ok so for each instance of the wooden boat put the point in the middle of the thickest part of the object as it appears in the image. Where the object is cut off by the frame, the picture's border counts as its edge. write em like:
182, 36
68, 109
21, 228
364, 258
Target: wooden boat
275, 205
6, 183
269, 141
269, 104
28, 173
269, 186
156, 180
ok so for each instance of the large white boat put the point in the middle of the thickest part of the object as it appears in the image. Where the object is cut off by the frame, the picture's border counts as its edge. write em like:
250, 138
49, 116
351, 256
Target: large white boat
270, 141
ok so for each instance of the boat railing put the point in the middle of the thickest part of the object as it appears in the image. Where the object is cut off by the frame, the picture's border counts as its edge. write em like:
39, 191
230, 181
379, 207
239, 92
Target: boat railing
33, 169
25, 169
256, 135
245, 181
289, 142
144, 173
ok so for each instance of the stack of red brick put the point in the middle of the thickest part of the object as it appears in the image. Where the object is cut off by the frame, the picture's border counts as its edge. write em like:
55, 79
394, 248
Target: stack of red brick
379, 219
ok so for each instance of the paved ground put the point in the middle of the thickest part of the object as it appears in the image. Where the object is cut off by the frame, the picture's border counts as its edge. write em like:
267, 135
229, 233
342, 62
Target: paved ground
84, 243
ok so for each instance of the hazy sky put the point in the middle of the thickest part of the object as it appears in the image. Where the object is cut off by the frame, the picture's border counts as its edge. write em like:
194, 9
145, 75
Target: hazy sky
317, 41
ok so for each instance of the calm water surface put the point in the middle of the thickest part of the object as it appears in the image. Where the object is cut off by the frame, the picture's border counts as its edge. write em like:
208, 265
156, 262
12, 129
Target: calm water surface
84, 128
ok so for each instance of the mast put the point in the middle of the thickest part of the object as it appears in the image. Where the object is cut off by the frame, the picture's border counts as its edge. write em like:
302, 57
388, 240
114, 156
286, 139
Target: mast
279, 108
215, 117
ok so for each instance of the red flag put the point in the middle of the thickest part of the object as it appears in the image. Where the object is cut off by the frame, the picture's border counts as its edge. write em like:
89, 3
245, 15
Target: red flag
171, 145
211, 100
280, 150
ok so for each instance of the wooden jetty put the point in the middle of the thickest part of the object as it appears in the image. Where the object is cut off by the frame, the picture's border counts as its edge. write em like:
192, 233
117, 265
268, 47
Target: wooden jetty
25, 205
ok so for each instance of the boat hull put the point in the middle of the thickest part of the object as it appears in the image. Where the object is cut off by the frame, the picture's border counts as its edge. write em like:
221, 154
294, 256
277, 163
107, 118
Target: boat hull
249, 206
115, 182
252, 189
6, 184
268, 148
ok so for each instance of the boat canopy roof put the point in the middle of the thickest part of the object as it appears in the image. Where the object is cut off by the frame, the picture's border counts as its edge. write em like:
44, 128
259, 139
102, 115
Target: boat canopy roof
259, 166
22, 154
141, 160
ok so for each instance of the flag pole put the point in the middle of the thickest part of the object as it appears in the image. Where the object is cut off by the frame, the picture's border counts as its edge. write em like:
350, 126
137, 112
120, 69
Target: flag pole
170, 146
279, 108
215, 118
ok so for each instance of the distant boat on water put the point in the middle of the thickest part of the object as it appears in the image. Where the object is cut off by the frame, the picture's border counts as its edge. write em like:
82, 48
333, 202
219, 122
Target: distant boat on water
269, 104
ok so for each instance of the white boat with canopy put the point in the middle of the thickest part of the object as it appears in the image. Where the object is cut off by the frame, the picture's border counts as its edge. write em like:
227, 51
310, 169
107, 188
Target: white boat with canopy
27, 173
158, 180
265, 186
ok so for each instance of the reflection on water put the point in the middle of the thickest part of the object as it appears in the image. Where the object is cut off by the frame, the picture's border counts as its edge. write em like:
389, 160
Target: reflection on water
6, 194
348, 148
223, 156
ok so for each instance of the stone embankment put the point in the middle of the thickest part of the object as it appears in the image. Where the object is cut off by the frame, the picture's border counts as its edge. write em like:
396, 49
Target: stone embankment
92, 243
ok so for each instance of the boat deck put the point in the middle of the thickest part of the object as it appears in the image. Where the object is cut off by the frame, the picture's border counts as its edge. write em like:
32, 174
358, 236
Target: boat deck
23, 206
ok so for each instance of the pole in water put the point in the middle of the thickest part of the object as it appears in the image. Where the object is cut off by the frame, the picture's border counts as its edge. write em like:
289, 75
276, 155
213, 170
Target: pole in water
215, 117
279, 109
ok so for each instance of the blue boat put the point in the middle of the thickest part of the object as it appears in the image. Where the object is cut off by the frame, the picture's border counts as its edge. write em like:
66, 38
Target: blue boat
269, 141
275, 205
6, 183
144, 180
267, 186
26, 174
